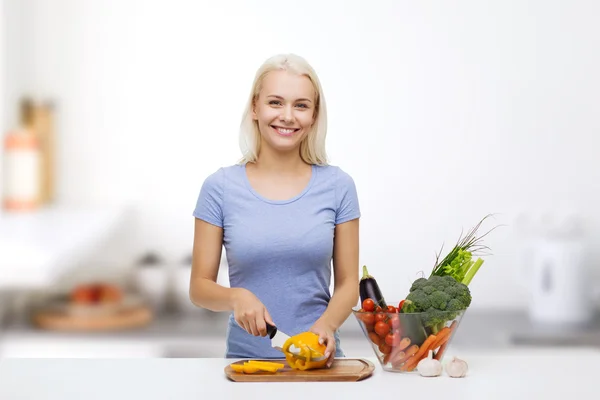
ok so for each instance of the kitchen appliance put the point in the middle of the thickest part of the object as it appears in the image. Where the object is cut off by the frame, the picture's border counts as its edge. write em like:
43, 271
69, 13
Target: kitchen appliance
560, 292
556, 273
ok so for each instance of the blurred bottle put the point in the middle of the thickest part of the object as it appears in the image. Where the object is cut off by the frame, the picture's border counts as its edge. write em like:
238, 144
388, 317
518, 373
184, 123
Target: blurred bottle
43, 127
22, 159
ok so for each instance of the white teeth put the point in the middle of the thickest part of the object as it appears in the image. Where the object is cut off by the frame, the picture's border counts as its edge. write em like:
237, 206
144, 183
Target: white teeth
283, 130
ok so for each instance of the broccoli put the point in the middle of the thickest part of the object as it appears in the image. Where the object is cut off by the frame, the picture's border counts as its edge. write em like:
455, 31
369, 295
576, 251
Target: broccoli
429, 289
435, 319
420, 299
439, 299
418, 284
455, 305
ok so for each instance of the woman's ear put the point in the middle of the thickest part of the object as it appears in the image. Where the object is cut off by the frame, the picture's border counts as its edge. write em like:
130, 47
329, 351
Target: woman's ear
254, 116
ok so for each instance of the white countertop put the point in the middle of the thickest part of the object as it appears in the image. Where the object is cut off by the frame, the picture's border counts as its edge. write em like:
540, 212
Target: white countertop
514, 374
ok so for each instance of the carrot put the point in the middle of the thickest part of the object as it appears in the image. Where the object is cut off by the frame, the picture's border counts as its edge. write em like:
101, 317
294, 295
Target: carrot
411, 363
402, 356
442, 337
398, 355
396, 350
404, 343
443, 344
440, 352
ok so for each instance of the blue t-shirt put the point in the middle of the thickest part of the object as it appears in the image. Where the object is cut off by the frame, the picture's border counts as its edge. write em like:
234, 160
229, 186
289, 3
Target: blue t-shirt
281, 251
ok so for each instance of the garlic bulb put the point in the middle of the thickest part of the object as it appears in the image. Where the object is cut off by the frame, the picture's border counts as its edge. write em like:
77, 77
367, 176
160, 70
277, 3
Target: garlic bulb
457, 368
429, 366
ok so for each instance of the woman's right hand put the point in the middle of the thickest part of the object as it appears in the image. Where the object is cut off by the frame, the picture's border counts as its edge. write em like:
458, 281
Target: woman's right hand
250, 313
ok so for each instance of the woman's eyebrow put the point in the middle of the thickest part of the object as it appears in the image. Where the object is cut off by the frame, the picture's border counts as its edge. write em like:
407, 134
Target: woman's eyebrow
281, 98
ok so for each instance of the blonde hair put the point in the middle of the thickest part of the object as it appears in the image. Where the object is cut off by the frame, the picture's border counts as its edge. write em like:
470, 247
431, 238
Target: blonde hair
312, 147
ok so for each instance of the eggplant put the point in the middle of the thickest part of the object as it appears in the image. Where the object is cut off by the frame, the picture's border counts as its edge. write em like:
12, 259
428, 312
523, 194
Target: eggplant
369, 289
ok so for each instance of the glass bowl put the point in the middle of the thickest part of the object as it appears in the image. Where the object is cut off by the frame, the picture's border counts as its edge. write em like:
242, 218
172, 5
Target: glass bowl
401, 340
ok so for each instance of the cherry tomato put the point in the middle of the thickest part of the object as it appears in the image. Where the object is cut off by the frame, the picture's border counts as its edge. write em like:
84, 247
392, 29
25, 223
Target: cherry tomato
400, 305
375, 338
381, 328
385, 348
380, 317
392, 339
368, 318
378, 309
368, 305
394, 322
391, 309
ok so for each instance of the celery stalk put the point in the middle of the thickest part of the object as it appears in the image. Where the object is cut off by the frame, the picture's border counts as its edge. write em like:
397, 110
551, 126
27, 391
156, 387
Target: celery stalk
472, 271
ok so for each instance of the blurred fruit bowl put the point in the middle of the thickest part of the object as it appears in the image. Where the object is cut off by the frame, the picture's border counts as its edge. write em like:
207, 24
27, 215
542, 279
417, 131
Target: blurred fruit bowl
401, 340
91, 299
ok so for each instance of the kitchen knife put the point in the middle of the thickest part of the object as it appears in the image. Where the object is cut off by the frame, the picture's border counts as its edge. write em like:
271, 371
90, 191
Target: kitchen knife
278, 338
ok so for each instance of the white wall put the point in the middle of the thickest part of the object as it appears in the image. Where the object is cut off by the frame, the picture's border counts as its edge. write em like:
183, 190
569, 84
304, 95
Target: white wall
441, 111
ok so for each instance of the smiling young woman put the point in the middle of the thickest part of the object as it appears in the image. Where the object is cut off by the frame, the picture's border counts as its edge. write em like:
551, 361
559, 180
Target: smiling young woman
286, 218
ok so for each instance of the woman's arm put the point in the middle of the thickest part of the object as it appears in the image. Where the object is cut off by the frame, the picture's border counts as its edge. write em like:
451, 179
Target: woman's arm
346, 275
205, 292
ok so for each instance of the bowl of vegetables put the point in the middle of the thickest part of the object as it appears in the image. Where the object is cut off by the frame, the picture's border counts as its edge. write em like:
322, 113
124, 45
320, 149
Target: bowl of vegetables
400, 339
422, 324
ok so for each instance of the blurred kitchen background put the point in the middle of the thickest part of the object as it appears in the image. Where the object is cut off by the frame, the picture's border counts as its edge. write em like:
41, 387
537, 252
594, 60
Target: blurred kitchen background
114, 112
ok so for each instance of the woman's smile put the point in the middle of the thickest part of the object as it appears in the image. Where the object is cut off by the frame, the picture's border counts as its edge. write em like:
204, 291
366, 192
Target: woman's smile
284, 131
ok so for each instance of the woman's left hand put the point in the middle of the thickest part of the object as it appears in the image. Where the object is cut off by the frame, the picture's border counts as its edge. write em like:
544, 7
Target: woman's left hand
325, 337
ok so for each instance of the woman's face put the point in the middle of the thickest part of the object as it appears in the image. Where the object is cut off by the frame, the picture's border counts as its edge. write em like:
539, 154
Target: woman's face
284, 110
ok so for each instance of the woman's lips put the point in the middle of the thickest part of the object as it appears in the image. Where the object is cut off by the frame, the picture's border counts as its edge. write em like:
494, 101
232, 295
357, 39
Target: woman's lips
285, 131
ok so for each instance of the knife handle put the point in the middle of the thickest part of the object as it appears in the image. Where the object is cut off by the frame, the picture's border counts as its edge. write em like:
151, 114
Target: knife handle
271, 330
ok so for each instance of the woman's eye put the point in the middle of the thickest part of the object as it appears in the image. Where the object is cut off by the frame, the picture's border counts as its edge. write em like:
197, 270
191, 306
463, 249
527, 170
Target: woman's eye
302, 105
274, 102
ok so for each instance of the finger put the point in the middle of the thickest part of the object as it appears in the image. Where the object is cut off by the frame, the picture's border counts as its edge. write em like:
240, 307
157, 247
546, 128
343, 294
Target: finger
246, 326
240, 322
331, 358
322, 338
268, 318
330, 349
330, 352
253, 327
261, 326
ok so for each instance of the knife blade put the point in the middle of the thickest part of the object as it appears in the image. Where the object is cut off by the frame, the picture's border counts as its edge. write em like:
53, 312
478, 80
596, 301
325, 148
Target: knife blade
278, 338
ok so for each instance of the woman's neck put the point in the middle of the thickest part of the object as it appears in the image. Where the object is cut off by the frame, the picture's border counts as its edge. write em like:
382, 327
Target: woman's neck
271, 161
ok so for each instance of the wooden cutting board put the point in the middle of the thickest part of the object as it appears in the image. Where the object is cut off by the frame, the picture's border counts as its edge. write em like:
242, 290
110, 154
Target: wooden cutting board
342, 370
123, 319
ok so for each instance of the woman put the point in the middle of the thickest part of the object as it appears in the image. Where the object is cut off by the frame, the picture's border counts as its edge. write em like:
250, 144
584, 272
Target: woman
282, 214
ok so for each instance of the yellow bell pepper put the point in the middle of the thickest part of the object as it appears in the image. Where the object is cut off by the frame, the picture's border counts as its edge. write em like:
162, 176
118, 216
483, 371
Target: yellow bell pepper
245, 368
266, 365
305, 341
252, 366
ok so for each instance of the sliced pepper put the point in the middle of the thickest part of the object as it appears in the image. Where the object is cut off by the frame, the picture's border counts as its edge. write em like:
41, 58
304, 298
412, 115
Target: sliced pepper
252, 366
245, 368
266, 365
305, 342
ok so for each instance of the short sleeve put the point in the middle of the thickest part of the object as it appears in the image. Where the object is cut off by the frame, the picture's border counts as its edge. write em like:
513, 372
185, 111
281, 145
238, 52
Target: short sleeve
347, 207
209, 205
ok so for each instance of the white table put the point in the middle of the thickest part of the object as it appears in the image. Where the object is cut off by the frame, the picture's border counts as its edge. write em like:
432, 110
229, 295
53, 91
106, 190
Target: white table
515, 374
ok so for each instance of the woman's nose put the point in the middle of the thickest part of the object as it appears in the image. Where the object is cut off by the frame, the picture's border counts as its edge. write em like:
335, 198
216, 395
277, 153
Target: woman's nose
286, 115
